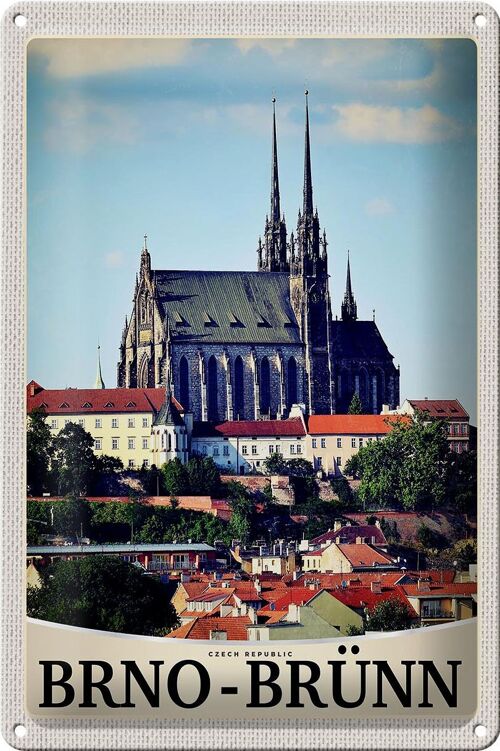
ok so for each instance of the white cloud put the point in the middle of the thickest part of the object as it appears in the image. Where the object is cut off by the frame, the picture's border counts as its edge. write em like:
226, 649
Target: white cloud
378, 207
79, 124
426, 124
272, 46
70, 58
114, 259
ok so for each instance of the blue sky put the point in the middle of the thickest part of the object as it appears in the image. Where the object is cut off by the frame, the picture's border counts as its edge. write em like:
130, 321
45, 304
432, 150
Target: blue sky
172, 138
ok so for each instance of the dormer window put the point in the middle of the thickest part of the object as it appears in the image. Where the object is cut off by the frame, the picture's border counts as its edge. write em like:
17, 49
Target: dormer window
64, 405
131, 404
263, 323
87, 405
208, 320
109, 405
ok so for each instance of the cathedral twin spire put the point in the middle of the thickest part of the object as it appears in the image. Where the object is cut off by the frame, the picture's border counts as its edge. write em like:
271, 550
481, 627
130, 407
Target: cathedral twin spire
272, 254
307, 252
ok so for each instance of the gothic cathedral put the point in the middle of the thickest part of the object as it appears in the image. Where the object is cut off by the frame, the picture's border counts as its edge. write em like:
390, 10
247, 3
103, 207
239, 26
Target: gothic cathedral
249, 344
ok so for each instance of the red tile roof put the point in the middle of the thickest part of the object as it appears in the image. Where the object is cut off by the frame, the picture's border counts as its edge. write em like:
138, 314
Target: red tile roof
120, 400
354, 424
248, 428
437, 589
354, 579
441, 408
350, 532
363, 597
200, 628
296, 596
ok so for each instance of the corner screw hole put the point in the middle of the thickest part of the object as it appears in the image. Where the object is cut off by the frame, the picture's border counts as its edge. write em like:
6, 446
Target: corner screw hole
480, 731
20, 20
480, 20
20, 731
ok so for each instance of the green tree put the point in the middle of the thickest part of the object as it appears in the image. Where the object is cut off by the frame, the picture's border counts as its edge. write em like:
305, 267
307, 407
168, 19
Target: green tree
461, 477
275, 465
240, 526
389, 615
464, 552
355, 407
429, 538
39, 450
175, 478
204, 476
74, 462
406, 469
105, 593
72, 517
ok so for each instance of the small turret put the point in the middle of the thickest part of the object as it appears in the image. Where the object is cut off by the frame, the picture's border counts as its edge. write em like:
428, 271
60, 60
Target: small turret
349, 309
99, 383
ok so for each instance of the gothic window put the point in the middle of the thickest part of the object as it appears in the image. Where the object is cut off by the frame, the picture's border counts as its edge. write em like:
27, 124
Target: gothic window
184, 383
265, 386
292, 382
144, 374
239, 389
213, 406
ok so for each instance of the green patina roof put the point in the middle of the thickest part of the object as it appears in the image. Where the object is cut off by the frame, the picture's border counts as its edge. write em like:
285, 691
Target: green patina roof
250, 307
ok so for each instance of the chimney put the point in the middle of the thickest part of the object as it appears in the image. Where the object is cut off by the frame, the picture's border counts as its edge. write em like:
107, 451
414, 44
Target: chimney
293, 613
359, 540
373, 539
376, 587
294, 576
32, 388
423, 586
337, 525
252, 615
385, 409
377, 524
257, 586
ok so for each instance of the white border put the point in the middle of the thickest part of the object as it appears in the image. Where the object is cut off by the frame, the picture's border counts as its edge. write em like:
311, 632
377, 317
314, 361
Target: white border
352, 19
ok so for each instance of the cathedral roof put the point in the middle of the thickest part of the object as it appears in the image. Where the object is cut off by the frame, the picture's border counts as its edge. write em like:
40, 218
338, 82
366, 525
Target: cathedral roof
248, 307
358, 340
247, 428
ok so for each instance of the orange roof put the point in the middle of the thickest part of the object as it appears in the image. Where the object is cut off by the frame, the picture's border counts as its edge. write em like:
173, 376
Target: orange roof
275, 616
354, 424
363, 554
235, 628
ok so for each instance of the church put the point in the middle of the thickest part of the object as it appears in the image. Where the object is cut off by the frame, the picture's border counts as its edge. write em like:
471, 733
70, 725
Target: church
247, 345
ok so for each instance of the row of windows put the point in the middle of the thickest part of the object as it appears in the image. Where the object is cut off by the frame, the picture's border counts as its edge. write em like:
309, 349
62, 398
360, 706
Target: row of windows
115, 422
355, 442
254, 449
455, 428
115, 444
458, 446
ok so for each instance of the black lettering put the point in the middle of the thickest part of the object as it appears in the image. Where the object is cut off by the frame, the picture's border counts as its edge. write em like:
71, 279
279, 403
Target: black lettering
256, 682
337, 684
49, 682
403, 694
152, 694
89, 683
296, 684
173, 678
449, 695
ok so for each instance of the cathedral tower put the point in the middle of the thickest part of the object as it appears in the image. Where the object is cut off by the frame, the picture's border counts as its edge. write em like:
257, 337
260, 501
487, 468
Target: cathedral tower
272, 254
309, 292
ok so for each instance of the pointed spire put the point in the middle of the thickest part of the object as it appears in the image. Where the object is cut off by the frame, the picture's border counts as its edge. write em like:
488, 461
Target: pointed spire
99, 383
308, 192
275, 183
349, 308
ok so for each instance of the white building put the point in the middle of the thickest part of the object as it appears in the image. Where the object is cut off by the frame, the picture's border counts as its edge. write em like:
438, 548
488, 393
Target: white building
241, 447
